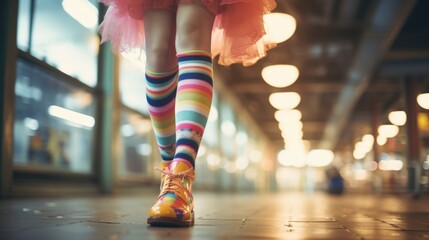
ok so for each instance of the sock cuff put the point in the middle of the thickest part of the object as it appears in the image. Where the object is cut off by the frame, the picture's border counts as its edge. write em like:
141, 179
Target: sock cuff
194, 53
161, 74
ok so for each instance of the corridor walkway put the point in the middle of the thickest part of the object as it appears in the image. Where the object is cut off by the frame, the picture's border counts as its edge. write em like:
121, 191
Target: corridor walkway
221, 216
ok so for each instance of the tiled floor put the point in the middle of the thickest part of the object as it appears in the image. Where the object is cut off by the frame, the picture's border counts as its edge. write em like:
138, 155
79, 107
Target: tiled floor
221, 216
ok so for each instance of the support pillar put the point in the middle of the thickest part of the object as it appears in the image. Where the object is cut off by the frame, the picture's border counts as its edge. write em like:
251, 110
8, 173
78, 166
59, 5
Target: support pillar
375, 123
413, 136
8, 57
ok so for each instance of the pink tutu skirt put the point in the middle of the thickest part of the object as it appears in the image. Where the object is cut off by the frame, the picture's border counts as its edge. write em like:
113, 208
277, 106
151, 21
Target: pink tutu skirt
238, 34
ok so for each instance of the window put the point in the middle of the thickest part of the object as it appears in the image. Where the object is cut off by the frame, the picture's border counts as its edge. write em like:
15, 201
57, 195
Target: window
61, 33
136, 147
54, 122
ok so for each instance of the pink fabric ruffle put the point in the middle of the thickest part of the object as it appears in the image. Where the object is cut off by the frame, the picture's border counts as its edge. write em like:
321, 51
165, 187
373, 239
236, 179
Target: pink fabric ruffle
238, 34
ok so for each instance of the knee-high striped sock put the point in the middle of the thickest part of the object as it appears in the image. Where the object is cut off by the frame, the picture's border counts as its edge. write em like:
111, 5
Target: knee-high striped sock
161, 94
193, 102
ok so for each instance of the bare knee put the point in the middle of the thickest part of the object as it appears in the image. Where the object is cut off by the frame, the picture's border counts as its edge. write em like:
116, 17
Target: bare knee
160, 56
187, 35
193, 28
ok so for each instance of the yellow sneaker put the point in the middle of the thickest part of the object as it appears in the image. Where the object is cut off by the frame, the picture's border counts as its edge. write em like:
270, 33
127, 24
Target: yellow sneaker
175, 204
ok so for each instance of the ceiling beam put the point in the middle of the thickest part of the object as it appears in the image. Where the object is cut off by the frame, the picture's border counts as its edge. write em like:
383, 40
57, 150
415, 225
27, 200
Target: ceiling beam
335, 86
407, 55
401, 68
384, 23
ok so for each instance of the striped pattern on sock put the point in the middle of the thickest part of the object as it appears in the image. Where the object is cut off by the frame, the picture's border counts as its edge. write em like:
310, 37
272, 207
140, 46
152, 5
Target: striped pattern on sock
194, 97
161, 94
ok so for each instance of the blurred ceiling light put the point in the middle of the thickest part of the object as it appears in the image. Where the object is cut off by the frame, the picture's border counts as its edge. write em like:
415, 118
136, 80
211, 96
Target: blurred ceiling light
31, 123
284, 100
291, 158
363, 147
291, 136
423, 100
368, 139
255, 155
426, 165
281, 75
279, 26
361, 174
71, 116
213, 160
144, 149
359, 154
390, 165
295, 145
82, 11
128, 130
228, 128
241, 163
288, 115
230, 167
241, 138
320, 157
381, 140
398, 118
292, 126
388, 131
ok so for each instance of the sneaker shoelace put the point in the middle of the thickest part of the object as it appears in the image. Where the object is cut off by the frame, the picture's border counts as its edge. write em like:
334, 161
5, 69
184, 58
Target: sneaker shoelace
173, 182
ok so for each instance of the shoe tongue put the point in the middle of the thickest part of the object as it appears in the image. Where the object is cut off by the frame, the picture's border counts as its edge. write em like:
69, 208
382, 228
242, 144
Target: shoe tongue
164, 165
178, 166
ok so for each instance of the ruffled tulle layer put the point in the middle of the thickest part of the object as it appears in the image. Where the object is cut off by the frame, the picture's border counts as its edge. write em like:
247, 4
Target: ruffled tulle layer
238, 34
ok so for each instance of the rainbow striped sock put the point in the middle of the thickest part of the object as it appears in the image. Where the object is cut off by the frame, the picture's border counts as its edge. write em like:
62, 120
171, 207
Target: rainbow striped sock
161, 95
194, 97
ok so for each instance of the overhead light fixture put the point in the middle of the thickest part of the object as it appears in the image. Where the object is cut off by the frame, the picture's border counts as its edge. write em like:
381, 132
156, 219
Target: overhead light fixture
82, 11
241, 138
228, 128
288, 115
423, 100
368, 139
213, 160
242, 163
292, 126
398, 118
291, 158
293, 136
320, 157
363, 147
31, 123
381, 140
390, 165
285, 100
281, 75
359, 154
71, 116
279, 26
388, 131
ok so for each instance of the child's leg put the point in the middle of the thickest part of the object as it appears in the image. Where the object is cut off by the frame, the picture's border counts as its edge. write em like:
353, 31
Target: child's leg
195, 87
161, 77
194, 94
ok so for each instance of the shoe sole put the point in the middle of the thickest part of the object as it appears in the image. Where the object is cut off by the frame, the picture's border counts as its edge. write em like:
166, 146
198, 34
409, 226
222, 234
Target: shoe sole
170, 222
